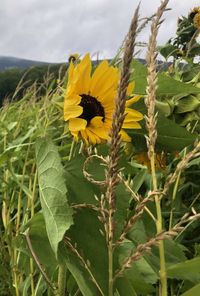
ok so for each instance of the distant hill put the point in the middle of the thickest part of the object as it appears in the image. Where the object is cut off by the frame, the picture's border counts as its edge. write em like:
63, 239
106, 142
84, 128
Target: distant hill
13, 69
7, 63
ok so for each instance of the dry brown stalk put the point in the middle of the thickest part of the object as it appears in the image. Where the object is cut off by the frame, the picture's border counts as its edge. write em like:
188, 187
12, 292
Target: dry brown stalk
181, 166
112, 171
38, 263
151, 120
89, 206
152, 80
87, 175
145, 22
118, 117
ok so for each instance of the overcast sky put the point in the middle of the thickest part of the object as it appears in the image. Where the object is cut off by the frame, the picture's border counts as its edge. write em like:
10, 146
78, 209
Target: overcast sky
49, 30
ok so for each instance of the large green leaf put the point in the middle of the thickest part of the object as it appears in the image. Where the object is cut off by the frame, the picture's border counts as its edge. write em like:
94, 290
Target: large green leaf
167, 86
86, 235
171, 136
80, 190
57, 213
39, 242
195, 291
79, 273
188, 270
140, 275
124, 287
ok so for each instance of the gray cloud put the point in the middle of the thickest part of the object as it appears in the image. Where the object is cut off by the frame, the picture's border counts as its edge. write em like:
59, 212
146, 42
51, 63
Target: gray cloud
50, 30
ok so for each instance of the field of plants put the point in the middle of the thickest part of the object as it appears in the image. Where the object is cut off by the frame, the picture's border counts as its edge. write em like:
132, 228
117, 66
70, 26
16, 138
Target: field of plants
99, 176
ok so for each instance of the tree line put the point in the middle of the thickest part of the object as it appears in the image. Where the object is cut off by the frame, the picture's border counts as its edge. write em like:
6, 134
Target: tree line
20, 79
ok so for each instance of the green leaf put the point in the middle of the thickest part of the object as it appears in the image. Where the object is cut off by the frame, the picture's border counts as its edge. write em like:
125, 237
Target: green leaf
187, 104
79, 273
39, 242
195, 291
140, 275
124, 287
74, 176
167, 86
57, 213
167, 50
91, 244
171, 136
188, 270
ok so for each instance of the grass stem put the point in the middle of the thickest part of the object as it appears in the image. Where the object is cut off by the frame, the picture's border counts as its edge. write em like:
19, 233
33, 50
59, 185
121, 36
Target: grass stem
62, 272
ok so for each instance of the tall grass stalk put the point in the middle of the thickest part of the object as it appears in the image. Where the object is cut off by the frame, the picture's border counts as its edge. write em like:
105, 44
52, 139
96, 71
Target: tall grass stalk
152, 133
117, 122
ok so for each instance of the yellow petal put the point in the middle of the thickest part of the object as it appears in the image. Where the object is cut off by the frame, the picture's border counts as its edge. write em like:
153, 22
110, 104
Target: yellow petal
131, 125
107, 98
101, 132
72, 111
96, 121
130, 88
72, 100
91, 137
84, 137
77, 124
132, 115
98, 73
82, 74
132, 100
104, 80
124, 136
70, 72
75, 135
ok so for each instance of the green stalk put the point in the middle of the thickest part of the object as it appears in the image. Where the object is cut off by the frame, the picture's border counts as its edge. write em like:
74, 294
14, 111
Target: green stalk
71, 150
175, 189
32, 277
110, 254
159, 227
62, 271
173, 199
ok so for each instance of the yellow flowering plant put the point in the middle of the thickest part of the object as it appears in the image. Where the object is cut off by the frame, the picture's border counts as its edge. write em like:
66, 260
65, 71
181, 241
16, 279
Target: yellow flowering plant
89, 102
97, 221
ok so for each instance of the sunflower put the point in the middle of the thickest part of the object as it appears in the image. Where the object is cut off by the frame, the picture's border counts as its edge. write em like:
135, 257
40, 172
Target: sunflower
195, 16
73, 57
89, 102
160, 160
196, 20
194, 11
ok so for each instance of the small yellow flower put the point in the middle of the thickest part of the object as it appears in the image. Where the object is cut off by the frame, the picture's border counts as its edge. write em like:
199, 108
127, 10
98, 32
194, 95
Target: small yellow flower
160, 160
194, 11
196, 20
89, 102
194, 15
73, 57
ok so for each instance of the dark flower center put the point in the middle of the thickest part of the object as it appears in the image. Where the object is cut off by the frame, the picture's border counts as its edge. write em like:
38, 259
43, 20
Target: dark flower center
91, 108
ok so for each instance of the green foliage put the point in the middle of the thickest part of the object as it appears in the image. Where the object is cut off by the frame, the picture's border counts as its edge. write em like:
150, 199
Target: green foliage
188, 270
48, 201
57, 213
15, 82
192, 292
